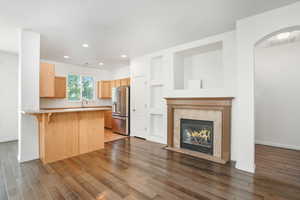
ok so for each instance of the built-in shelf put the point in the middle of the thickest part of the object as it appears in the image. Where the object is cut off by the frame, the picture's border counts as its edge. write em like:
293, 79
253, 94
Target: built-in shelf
199, 67
156, 102
156, 65
156, 83
156, 125
156, 97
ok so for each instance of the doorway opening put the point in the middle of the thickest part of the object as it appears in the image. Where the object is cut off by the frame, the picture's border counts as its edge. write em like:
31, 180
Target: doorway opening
277, 108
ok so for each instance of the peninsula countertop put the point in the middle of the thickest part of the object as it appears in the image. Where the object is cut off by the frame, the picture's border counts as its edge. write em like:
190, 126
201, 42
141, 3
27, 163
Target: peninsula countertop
65, 110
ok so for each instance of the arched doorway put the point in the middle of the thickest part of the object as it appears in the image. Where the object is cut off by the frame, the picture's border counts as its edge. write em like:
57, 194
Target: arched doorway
249, 32
276, 99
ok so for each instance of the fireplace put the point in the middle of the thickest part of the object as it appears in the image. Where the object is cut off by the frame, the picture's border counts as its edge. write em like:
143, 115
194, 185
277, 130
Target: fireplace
187, 115
197, 135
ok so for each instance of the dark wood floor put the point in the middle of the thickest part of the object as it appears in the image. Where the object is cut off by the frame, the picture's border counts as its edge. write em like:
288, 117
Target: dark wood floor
278, 163
133, 169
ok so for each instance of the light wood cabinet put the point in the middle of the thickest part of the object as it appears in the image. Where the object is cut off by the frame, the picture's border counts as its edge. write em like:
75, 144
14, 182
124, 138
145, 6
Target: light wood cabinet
128, 81
104, 89
121, 82
112, 84
108, 119
47, 80
68, 134
125, 82
117, 83
58, 136
50, 85
91, 131
60, 87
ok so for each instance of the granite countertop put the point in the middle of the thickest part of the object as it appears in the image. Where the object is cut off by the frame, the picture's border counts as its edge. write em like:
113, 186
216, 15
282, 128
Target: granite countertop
42, 111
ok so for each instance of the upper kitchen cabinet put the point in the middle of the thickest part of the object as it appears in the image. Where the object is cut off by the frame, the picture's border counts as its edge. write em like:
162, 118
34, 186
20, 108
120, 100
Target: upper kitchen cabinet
47, 80
60, 87
104, 89
125, 82
50, 85
116, 83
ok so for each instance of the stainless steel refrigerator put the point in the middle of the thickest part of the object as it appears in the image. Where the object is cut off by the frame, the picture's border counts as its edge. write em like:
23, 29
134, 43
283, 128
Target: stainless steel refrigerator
121, 110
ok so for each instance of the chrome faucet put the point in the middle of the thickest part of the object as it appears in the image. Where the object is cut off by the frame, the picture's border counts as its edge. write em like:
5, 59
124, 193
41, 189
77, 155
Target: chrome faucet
84, 101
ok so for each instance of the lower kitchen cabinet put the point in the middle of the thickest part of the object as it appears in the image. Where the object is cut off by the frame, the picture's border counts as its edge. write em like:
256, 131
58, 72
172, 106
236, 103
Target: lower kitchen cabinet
108, 119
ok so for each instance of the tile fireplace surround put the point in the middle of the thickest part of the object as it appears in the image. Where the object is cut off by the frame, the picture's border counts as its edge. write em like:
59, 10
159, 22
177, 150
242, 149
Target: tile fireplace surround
217, 110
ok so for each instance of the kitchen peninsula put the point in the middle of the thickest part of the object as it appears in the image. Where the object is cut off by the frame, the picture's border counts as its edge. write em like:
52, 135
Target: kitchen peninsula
64, 133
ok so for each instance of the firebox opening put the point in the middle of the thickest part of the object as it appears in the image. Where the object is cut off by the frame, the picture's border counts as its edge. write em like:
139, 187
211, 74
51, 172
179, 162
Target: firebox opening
197, 135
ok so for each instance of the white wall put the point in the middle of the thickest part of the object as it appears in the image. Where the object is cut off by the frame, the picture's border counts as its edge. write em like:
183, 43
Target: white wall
238, 63
228, 88
277, 97
63, 69
9, 100
121, 72
207, 67
228, 58
29, 98
249, 32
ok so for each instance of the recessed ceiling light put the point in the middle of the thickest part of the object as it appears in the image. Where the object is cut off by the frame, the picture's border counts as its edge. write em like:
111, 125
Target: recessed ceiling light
85, 45
283, 36
124, 56
66, 57
101, 63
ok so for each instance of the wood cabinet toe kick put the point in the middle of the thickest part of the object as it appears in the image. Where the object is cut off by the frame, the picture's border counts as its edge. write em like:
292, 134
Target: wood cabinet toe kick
67, 134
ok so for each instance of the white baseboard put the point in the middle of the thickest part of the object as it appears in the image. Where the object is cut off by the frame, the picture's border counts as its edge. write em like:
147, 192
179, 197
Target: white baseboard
26, 158
247, 168
3, 140
157, 139
285, 146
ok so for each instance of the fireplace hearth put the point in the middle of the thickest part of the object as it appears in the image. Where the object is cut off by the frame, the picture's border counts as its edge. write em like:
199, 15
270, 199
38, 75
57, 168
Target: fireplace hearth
197, 135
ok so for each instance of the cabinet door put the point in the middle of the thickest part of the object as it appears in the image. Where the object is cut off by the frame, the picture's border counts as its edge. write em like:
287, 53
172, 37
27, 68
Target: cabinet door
104, 89
47, 80
117, 83
113, 83
91, 131
60, 87
124, 82
108, 119
128, 81
59, 138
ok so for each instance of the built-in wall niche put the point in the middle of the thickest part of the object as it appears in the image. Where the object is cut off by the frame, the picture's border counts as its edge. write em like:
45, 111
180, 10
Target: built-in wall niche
156, 125
156, 64
156, 97
199, 68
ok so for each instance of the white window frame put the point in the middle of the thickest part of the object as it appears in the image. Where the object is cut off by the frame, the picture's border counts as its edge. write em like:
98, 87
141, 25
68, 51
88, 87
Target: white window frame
94, 88
81, 88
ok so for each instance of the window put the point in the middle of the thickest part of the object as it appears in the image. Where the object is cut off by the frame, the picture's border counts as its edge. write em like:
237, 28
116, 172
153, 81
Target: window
87, 87
74, 88
80, 87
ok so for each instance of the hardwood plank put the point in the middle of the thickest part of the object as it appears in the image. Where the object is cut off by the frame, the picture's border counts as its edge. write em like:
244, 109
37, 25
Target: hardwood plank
134, 169
109, 136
